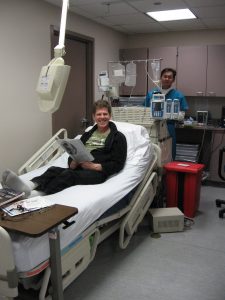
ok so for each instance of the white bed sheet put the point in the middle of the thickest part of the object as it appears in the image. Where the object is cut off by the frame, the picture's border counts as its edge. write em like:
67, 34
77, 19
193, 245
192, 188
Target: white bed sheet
91, 200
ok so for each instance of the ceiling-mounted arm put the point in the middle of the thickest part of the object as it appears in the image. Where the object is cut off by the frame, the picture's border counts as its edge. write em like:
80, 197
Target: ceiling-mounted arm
53, 77
59, 50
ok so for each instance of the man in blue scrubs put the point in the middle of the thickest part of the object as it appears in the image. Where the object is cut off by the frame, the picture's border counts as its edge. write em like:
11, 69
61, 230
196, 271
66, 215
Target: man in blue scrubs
168, 76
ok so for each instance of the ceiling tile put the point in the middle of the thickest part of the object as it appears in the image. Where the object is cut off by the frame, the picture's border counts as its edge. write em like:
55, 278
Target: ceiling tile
214, 22
113, 9
209, 12
129, 19
146, 5
202, 3
184, 25
83, 13
145, 28
103, 21
84, 2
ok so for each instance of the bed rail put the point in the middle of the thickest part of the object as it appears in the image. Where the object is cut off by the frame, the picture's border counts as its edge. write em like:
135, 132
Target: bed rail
141, 202
128, 218
8, 274
140, 115
48, 152
139, 209
133, 114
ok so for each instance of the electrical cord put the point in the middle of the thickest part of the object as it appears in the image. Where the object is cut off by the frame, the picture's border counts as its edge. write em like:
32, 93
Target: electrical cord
202, 143
188, 222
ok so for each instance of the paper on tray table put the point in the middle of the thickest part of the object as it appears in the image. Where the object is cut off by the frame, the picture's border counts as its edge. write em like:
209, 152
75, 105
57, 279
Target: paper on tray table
27, 205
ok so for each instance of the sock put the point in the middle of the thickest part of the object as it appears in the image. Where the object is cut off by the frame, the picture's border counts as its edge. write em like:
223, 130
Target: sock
32, 185
36, 193
11, 180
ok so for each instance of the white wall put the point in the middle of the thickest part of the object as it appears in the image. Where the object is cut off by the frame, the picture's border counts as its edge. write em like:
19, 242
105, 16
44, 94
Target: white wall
184, 38
25, 47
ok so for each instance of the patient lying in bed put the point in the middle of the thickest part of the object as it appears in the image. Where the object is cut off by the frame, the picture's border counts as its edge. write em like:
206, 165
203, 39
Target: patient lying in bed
107, 145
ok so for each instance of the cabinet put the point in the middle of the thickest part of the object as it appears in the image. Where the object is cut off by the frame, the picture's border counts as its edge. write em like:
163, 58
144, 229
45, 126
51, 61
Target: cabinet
191, 70
201, 70
141, 80
169, 60
218, 142
215, 71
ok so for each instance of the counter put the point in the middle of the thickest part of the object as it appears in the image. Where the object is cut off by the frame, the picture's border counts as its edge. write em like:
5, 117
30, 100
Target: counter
201, 127
210, 139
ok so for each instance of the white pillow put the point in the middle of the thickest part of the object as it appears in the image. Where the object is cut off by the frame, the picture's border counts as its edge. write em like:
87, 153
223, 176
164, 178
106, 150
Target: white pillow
138, 142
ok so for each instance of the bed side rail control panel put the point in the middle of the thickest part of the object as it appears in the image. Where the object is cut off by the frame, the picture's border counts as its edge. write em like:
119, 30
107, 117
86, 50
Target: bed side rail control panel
48, 152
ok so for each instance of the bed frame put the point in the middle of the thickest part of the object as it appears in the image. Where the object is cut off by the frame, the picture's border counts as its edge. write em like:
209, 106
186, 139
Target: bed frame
81, 252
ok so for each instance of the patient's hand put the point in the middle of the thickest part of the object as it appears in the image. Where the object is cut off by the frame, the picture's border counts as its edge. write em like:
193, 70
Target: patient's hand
73, 165
91, 166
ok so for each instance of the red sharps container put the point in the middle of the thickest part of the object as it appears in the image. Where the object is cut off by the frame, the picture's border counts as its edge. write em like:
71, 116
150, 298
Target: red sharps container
183, 185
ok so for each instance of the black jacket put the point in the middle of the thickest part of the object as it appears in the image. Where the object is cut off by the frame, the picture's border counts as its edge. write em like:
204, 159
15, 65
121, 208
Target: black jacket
113, 155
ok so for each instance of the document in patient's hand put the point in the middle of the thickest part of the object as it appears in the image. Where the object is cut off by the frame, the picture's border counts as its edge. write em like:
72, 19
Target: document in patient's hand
76, 149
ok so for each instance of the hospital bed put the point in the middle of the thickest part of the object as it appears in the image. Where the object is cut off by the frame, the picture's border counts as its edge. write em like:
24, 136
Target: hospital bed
24, 261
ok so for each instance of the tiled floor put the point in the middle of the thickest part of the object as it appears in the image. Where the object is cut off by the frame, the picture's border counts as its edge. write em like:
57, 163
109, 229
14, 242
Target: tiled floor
184, 265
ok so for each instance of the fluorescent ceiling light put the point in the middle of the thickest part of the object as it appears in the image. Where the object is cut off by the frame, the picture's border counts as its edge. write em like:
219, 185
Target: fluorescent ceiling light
171, 15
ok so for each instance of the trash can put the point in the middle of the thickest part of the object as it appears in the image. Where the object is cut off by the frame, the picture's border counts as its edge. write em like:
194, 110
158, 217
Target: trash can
183, 185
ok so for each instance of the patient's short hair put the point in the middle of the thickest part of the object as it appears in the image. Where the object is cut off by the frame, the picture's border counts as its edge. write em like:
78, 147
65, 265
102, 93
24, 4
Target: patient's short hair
101, 104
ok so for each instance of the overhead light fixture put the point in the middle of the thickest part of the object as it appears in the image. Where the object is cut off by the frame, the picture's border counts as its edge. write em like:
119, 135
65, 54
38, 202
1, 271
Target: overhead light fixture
171, 15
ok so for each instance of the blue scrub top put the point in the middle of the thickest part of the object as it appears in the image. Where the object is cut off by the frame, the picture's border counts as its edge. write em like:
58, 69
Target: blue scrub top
172, 94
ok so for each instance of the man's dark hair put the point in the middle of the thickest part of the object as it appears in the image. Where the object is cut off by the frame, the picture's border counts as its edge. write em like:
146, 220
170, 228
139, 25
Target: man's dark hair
174, 72
101, 104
